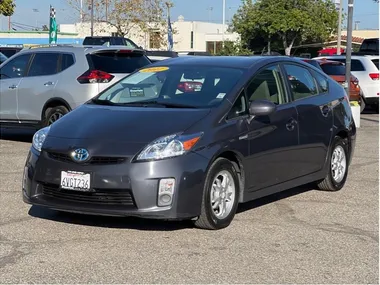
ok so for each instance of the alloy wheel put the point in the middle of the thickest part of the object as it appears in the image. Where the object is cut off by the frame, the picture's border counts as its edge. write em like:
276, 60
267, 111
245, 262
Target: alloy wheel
338, 164
222, 194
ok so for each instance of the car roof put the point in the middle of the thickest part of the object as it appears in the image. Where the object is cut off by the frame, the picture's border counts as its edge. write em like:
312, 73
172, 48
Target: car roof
242, 62
86, 48
353, 56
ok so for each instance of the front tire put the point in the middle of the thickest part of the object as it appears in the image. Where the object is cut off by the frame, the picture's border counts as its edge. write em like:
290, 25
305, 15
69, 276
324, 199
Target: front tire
220, 196
338, 166
53, 114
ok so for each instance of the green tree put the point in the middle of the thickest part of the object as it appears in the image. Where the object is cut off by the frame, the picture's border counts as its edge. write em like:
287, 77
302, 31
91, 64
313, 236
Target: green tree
7, 7
234, 48
286, 21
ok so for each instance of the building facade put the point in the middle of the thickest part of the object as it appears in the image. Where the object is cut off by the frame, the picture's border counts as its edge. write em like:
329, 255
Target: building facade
188, 35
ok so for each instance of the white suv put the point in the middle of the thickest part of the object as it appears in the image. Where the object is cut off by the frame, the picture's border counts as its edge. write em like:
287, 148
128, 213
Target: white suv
40, 85
366, 69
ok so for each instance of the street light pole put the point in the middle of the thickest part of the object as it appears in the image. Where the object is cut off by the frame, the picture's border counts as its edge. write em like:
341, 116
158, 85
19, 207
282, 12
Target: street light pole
349, 45
92, 18
339, 28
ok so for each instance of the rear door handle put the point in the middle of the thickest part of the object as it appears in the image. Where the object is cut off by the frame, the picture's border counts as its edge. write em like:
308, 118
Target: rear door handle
291, 124
13, 86
49, 83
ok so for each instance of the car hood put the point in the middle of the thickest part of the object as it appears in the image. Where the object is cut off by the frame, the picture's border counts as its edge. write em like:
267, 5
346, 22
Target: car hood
124, 124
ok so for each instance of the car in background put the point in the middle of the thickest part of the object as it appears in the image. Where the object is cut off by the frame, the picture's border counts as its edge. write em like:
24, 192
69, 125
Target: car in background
2, 58
337, 71
109, 41
158, 55
369, 46
9, 50
41, 84
257, 126
194, 53
366, 69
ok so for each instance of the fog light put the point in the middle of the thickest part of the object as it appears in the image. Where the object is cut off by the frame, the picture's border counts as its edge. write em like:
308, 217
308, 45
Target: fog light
166, 191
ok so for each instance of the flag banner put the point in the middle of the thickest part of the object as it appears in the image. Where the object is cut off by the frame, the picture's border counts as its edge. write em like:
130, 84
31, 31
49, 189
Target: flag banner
53, 27
170, 35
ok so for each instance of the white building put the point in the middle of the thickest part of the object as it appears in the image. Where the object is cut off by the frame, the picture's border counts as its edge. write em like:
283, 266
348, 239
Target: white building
188, 35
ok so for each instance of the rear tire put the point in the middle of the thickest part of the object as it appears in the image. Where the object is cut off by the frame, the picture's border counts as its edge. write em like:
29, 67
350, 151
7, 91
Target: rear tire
53, 114
338, 166
362, 106
220, 196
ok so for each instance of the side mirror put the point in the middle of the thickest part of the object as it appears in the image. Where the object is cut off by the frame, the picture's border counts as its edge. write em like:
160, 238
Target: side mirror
261, 108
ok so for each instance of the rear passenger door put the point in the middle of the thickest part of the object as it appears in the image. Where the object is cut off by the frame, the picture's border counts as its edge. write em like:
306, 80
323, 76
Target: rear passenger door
309, 90
38, 86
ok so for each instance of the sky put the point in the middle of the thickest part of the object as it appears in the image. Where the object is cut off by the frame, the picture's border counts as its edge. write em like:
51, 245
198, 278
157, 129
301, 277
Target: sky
36, 12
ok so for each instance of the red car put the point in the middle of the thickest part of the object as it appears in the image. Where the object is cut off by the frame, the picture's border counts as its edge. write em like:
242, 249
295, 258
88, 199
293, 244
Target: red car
337, 71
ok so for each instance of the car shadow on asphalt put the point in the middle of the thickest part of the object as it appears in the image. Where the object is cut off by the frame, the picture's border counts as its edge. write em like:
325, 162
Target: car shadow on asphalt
149, 224
18, 135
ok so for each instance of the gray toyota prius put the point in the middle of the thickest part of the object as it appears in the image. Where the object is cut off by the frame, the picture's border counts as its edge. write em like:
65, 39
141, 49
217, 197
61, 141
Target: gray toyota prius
192, 137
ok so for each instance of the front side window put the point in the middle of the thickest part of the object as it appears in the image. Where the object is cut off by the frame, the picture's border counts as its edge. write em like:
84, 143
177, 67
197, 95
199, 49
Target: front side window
16, 67
194, 86
267, 85
301, 81
44, 64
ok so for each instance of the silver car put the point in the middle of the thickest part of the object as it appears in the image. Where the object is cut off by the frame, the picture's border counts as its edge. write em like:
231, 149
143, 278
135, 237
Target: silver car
40, 85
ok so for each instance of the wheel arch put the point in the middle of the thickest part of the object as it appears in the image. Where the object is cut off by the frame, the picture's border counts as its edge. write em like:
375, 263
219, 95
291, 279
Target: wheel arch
237, 161
54, 102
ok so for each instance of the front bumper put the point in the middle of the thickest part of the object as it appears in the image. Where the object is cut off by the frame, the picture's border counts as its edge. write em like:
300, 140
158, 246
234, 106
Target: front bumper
122, 189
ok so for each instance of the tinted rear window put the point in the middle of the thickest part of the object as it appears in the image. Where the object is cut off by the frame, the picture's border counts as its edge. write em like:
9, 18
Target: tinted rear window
356, 65
117, 63
334, 69
372, 45
376, 62
96, 41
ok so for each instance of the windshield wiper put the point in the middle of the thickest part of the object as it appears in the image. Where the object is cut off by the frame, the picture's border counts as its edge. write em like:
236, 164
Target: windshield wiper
104, 102
165, 104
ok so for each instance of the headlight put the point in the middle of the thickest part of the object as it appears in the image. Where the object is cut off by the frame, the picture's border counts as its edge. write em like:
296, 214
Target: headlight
169, 146
39, 138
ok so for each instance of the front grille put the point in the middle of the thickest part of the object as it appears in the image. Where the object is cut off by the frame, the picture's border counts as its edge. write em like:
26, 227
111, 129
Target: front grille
120, 197
94, 160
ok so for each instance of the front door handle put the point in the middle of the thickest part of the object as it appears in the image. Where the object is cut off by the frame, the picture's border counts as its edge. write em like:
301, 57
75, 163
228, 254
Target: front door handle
49, 83
13, 86
291, 124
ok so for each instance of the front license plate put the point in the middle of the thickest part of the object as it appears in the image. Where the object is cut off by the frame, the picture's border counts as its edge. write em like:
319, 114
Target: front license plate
73, 180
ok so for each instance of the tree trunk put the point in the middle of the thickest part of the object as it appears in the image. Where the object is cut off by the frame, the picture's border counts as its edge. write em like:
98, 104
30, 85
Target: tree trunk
288, 48
269, 46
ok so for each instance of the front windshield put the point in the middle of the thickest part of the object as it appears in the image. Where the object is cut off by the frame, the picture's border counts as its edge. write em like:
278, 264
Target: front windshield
193, 86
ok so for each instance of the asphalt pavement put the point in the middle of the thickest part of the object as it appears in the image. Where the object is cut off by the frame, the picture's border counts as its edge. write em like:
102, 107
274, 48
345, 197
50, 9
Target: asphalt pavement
298, 236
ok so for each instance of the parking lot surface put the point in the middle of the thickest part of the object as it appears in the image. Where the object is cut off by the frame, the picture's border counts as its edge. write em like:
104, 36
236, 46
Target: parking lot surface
299, 236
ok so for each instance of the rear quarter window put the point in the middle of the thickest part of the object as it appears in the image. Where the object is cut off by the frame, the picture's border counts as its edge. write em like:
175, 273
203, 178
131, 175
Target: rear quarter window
117, 63
376, 62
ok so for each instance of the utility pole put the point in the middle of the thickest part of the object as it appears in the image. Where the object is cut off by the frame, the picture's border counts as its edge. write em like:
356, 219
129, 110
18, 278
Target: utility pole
339, 28
92, 18
224, 20
81, 11
349, 45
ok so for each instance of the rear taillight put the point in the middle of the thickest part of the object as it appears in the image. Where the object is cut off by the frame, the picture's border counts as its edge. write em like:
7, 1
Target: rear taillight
374, 76
95, 76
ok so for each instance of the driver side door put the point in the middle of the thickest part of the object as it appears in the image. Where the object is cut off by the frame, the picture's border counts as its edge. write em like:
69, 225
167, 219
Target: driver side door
11, 75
